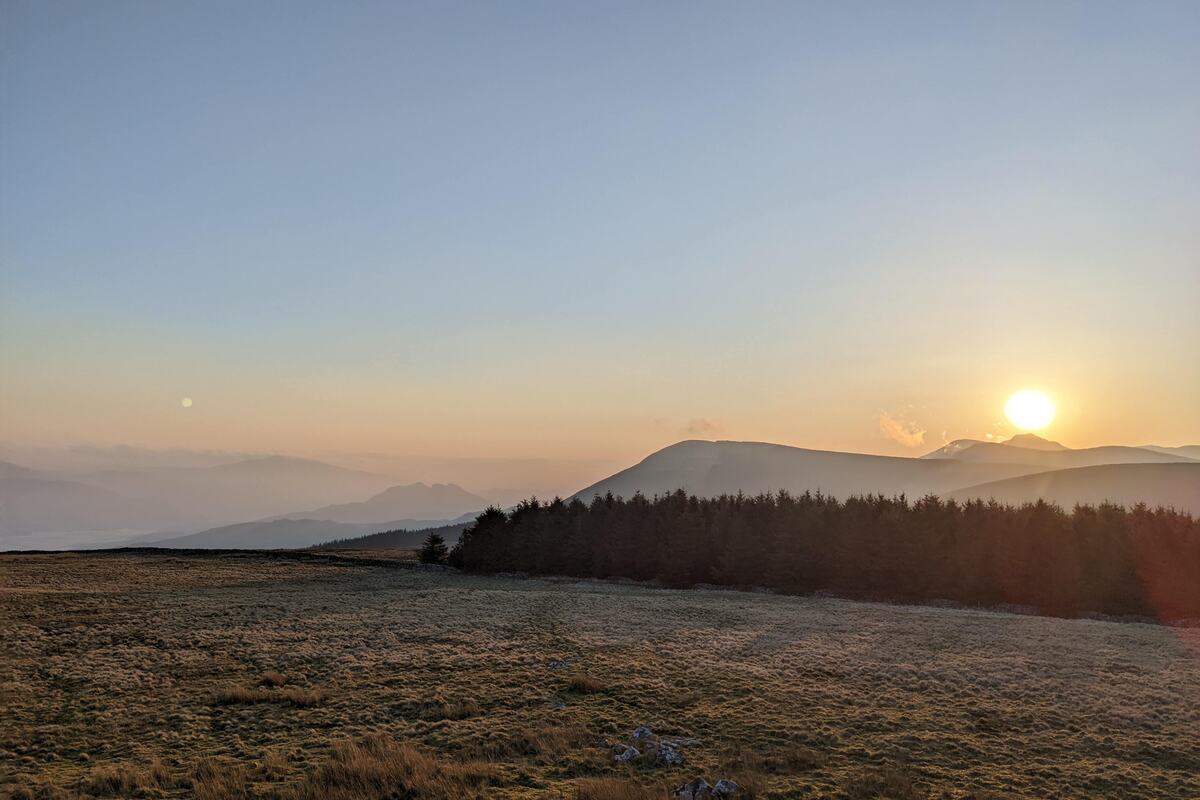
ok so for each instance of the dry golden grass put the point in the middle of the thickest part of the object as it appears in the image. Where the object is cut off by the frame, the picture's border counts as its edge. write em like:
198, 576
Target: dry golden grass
618, 789
886, 783
272, 679
377, 768
216, 780
443, 685
542, 744
300, 698
586, 684
124, 780
453, 709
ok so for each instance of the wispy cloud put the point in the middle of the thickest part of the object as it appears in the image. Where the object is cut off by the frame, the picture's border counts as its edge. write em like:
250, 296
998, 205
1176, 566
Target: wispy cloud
700, 425
900, 430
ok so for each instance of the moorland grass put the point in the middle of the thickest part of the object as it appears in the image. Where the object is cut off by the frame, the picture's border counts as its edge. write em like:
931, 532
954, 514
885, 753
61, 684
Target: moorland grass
174, 677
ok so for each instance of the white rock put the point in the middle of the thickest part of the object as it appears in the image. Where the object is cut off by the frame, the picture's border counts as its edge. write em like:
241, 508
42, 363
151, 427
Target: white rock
626, 753
697, 789
668, 754
724, 789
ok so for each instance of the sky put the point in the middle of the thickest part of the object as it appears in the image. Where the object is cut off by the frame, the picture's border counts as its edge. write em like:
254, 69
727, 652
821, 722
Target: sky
583, 231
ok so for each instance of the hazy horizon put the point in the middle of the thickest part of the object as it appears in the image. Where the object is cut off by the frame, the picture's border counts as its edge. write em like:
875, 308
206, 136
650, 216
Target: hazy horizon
577, 234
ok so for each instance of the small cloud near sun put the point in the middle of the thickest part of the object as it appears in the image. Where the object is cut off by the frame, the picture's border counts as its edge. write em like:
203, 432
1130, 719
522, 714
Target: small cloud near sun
901, 431
186, 402
700, 425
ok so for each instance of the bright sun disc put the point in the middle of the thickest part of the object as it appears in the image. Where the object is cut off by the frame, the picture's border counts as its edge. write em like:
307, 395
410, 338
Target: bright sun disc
1029, 410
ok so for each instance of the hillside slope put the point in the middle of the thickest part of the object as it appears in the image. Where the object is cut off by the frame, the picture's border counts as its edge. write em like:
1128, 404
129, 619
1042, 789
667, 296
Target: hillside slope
1030, 449
1171, 485
287, 533
387, 540
414, 501
713, 468
248, 489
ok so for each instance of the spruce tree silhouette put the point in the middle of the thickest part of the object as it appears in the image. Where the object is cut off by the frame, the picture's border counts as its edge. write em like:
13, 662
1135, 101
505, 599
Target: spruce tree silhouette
433, 550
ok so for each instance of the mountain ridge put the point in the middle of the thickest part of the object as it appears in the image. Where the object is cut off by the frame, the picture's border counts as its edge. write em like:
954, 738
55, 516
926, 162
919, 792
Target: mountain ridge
414, 500
1170, 485
725, 467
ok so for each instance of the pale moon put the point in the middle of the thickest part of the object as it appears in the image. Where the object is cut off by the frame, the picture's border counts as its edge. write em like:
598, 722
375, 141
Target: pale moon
186, 402
1029, 410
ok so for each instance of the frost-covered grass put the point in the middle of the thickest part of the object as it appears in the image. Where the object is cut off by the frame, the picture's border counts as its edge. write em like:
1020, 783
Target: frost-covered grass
169, 676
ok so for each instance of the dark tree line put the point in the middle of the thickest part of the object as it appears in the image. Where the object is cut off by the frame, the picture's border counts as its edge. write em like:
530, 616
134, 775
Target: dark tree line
1103, 559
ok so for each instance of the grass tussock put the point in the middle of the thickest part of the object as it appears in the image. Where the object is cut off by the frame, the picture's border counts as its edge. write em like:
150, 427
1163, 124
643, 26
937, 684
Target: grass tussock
617, 789
451, 709
553, 741
218, 780
379, 767
883, 783
273, 766
586, 684
273, 679
241, 695
783, 759
123, 780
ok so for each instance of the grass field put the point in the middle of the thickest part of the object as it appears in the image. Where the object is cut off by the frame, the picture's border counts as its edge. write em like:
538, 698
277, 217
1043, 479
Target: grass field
274, 676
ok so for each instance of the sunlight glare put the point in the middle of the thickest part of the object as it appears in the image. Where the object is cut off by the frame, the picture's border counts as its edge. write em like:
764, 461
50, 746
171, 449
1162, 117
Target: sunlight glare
1029, 409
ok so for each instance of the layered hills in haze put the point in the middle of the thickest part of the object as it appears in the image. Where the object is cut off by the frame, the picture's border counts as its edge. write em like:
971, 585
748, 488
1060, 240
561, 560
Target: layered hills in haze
1029, 449
714, 468
252, 502
1174, 485
416, 500
962, 469
414, 507
61, 509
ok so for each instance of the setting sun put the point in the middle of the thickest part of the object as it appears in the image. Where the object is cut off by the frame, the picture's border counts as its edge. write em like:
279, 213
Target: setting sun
1029, 410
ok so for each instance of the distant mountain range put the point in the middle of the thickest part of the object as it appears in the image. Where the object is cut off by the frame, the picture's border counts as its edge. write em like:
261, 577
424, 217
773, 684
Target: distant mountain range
398, 538
242, 490
714, 468
399, 508
1018, 451
439, 501
43, 509
965, 468
294, 533
210, 506
1171, 485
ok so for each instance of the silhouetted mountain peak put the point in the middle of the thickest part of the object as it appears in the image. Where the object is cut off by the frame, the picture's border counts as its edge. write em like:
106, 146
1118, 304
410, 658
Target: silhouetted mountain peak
952, 449
1031, 441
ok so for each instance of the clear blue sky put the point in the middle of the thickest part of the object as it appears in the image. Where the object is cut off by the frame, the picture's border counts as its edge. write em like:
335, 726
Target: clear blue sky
591, 229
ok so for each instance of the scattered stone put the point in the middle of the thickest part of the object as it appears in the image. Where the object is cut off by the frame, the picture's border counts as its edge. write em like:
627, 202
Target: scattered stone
558, 663
662, 751
555, 703
684, 742
697, 789
724, 788
668, 755
626, 753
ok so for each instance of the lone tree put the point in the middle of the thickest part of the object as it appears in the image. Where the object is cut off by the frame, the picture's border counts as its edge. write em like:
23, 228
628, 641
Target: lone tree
433, 550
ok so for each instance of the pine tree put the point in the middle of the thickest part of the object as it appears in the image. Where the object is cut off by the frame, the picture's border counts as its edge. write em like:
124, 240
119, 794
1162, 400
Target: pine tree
433, 549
